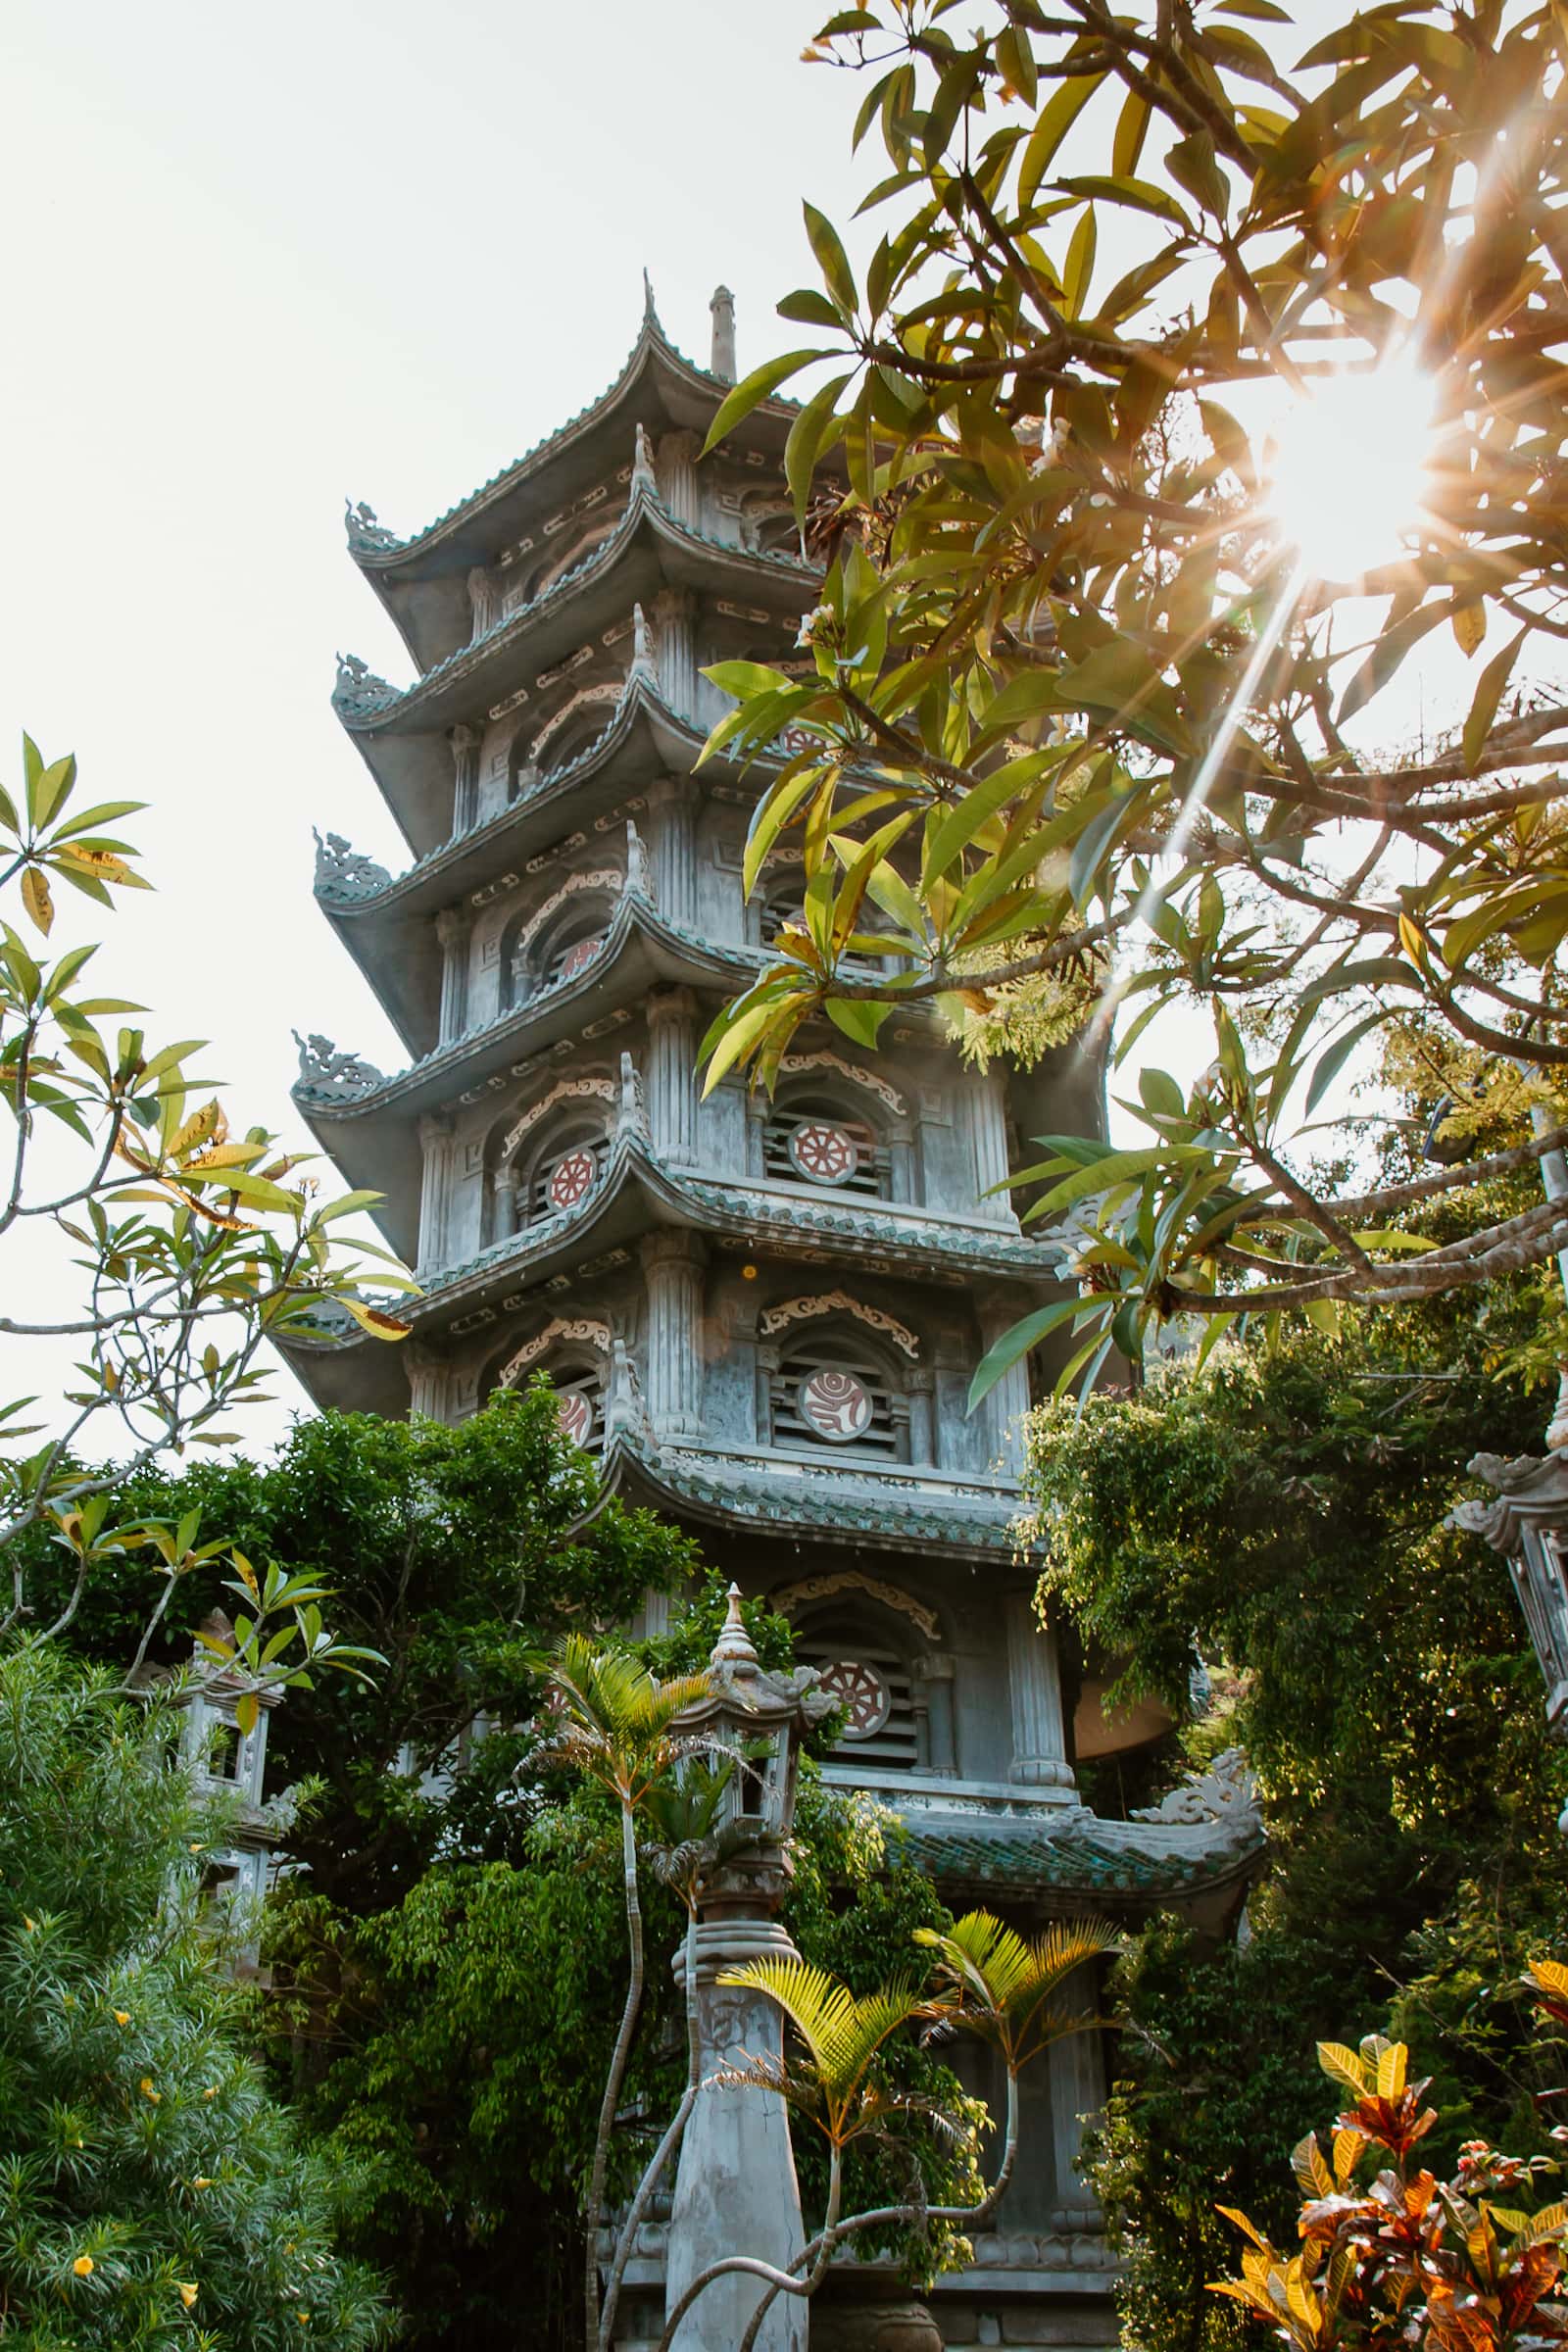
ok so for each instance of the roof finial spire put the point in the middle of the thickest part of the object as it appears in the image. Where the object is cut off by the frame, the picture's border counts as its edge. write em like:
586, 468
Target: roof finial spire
650, 308
734, 1645
722, 307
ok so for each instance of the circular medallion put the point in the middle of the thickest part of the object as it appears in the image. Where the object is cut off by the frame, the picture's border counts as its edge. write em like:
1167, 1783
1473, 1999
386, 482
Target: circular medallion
570, 1178
581, 954
836, 1404
575, 1412
863, 1691
824, 1151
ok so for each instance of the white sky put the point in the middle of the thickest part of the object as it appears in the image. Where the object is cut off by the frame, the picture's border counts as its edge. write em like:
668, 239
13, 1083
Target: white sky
262, 259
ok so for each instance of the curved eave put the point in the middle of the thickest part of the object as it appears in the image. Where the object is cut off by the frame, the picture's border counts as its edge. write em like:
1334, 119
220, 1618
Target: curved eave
501, 510
1127, 1864
403, 739
344, 1375
638, 1192
788, 1507
388, 931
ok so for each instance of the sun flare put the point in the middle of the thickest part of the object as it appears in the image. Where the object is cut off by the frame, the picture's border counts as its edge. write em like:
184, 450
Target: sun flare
1348, 468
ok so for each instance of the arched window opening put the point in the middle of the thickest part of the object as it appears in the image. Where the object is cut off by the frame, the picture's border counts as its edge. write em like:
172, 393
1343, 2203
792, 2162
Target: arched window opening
563, 948
811, 1138
869, 1676
832, 1390
581, 1400
563, 1172
781, 907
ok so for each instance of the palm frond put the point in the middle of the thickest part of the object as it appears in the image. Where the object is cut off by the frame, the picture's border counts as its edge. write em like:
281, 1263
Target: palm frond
1002, 1985
817, 2005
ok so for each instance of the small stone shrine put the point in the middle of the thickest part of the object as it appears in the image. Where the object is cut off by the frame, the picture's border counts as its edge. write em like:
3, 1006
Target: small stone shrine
762, 1315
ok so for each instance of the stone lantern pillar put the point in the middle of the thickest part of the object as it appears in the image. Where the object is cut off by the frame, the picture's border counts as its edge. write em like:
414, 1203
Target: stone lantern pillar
1527, 1522
736, 2190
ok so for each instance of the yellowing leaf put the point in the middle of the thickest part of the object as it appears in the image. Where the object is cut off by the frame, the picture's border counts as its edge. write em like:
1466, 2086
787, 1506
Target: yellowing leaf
1470, 625
1342, 2065
380, 1326
35, 898
187, 2291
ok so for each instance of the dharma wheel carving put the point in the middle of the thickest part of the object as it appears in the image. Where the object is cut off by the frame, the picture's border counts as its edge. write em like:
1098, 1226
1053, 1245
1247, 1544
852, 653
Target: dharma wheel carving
863, 1692
570, 1179
824, 1151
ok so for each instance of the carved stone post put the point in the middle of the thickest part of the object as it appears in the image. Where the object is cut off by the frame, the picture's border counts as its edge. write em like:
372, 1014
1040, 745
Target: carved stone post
673, 1263
503, 1224
675, 610
677, 474
722, 309
435, 1146
922, 1444
428, 1379
933, 1676
466, 777
1009, 1402
452, 930
672, 848
671, 1074
1075, 2073
1034, 1681
988, 1130
736, 2190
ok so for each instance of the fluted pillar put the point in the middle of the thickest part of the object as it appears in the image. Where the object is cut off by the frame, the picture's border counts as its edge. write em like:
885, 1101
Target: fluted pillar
1034, 1683
675, 610
988, 1129
677, 478
997, 1311
466, 777
504, 1223
933, 1686
452, 930
922, 1433
672, 1265
671, 1074
435, 1150
1075, 2073
672, 848
428, 1379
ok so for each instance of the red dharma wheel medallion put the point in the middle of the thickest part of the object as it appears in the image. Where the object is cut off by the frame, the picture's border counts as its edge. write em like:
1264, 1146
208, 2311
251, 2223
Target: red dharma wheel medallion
825, 1151
583, 953
570, 1178
835, 1405
575, 1413
863, 1692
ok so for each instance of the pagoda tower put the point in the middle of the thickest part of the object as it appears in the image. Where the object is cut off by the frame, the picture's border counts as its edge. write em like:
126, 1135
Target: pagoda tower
763, 1314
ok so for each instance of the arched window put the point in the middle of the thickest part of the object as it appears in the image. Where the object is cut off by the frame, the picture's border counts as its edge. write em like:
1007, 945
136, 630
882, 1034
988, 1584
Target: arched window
561, 948
864, 1670
562, 1168
815, 1138
580, 1399
573, 1358
833, 1389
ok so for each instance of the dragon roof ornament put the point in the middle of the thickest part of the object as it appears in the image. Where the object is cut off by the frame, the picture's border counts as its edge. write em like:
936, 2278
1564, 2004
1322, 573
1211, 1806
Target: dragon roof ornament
359, 692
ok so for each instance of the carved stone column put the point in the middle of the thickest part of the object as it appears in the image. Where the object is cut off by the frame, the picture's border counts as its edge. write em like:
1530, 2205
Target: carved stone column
466, 777
1034, 1681
428, 1379
988, 1129
503, 1224
736, 2189
673, 1263
672, 848
922, 1440
933, 1680
1009, 1402
671, 1074
722, 310
675, 610
452, 930
1075, 2074
435, 1147
677, 476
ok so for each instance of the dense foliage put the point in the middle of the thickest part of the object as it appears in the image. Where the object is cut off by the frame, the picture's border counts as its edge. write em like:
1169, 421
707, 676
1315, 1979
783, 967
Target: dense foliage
153, 2194
1280, 1516
450, 2037
1108, 702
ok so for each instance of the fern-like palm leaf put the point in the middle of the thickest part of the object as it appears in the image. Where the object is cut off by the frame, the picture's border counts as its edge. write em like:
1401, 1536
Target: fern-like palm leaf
1003, 1985
842, 2037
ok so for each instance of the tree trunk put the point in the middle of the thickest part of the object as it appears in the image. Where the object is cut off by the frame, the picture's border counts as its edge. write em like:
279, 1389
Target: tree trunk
594, 2217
